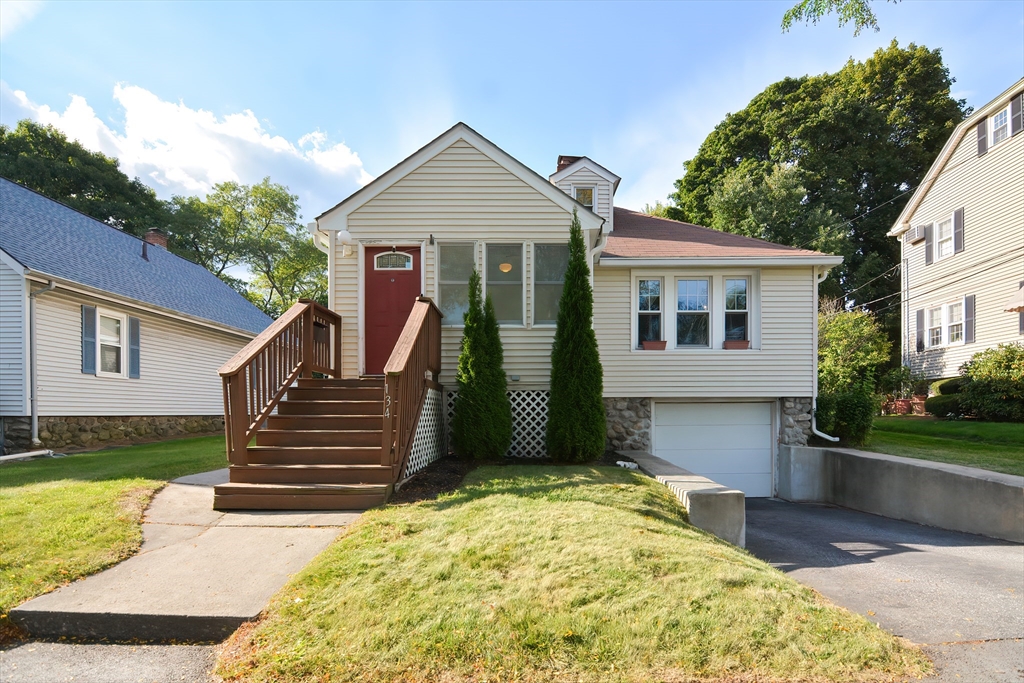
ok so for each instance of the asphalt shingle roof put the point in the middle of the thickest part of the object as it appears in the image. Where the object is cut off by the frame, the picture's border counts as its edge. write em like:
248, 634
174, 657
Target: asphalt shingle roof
638, 235
47, 237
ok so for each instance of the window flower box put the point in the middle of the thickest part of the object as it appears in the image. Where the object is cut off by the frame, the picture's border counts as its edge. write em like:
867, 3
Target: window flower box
654, 345
736, 344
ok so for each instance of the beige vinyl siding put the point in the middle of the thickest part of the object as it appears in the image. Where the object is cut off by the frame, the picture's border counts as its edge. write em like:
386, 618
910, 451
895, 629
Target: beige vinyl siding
602, 195
178, 362
991, 266
783, 366
460, 195
13, 321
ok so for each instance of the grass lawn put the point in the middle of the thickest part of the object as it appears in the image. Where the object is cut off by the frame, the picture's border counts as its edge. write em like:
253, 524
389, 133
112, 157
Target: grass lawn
531, 573
996, 446
64, 518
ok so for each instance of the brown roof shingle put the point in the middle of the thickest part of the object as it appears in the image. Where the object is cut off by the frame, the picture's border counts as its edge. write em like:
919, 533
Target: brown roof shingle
638, 235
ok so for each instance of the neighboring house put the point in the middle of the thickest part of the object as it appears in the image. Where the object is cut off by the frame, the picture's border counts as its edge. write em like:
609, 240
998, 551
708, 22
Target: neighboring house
737, 317
962, 239
128, 336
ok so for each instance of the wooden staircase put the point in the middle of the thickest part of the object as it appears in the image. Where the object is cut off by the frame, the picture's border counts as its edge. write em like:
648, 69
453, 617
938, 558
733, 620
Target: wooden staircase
322, 443
321, 451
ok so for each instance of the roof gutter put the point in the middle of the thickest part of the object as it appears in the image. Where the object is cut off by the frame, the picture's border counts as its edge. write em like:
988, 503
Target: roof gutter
78, 288
683, 261
33, 374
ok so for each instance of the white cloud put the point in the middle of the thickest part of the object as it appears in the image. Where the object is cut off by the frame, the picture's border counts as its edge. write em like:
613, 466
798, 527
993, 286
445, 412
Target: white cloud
179, 150
14, 13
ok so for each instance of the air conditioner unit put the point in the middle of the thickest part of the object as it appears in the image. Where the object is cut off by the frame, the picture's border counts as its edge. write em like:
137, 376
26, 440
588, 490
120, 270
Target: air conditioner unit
914, 235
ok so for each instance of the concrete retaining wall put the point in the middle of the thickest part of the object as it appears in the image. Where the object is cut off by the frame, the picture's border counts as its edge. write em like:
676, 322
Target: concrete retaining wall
710, 506
932, 493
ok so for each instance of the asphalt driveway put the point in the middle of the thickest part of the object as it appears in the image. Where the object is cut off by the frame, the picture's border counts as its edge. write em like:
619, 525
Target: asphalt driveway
960, 595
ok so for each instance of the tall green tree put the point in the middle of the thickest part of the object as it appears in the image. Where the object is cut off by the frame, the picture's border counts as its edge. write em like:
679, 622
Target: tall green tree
576, 415
813, 11
43, 159
857, 141
482, 423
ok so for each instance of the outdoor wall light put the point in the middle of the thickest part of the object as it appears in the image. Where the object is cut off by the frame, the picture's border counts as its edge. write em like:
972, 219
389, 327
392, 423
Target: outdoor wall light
505, 267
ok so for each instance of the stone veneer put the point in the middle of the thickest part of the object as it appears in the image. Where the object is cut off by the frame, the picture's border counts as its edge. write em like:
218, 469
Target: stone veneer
86, 432
795, 429
629, 424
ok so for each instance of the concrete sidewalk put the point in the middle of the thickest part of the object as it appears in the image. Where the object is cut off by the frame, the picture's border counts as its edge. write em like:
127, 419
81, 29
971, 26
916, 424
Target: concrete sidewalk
199, 574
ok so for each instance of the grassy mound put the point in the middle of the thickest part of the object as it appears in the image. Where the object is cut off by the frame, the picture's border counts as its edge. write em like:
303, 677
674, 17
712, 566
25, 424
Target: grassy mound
539, 573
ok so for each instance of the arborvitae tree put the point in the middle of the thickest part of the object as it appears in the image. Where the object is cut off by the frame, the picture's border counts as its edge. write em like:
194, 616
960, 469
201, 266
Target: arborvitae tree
482, 424
576, 417
495, 389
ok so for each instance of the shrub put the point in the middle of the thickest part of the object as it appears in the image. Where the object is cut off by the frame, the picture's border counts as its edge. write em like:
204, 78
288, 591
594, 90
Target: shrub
850, 413
993, 386
482, 423
898, 382
948, 387
943, 405
576, 418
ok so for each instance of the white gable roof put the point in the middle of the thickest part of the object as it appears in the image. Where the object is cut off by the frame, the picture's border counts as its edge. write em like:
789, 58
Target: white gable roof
335, 218
589, 164
902, 223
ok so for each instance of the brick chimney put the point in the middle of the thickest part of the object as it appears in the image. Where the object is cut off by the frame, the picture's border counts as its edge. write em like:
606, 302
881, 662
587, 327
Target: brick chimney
156, 237
564, 161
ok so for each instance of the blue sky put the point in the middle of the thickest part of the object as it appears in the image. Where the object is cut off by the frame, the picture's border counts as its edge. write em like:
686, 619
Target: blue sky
322, 97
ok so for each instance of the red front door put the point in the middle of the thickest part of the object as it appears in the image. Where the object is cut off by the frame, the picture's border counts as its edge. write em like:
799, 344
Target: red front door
392, 285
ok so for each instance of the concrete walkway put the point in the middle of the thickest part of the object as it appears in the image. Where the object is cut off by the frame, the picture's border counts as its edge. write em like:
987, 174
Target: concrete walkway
959, 595
198, 576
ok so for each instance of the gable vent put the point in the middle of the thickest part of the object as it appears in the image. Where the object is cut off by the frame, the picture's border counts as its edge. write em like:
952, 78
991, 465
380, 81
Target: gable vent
914, 235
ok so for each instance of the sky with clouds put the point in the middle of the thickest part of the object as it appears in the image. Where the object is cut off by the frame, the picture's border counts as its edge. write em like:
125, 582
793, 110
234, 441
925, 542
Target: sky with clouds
323, 97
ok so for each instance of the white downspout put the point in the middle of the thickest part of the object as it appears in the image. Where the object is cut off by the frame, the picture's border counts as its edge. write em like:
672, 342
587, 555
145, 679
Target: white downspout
820, 277
33, 375
602, 241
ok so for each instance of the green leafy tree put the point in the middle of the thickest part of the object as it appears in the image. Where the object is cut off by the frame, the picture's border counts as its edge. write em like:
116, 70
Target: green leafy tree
482, 423
857, 141
43, 159
576, 415
813, 11
852, 346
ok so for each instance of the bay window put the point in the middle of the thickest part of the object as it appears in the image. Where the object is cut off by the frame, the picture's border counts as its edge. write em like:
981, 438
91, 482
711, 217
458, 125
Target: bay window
692, 313
736, 311
455, 264
649, 311
505, 282
550, 262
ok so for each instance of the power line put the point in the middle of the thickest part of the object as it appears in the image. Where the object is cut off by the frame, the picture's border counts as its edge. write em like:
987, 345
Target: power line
858, 217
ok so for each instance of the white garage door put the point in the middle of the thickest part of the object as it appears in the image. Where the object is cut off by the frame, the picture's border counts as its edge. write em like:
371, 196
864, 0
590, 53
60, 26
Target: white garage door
730, 443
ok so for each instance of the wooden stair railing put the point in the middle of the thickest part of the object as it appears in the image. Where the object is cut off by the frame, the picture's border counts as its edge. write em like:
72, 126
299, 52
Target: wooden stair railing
306, 339
406, 380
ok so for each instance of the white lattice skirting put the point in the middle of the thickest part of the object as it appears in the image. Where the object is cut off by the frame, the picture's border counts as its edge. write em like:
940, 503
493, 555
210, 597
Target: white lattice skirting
529, 421
428, 443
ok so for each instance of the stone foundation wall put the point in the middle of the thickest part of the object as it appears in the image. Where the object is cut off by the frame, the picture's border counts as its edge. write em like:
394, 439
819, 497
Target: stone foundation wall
629, 424
90, 432
795, 429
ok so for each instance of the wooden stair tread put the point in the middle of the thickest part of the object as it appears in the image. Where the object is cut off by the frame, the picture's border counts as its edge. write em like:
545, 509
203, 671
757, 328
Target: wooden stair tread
242, 487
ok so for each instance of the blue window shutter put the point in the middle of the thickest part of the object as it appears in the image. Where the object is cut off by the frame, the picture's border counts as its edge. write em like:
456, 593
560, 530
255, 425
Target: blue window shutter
982, 136
1020, 320
89, 340
920, 329
133, 348
958, 231
1016, 122
929, 247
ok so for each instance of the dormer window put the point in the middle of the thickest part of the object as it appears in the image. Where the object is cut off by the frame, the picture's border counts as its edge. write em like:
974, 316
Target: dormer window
585, 196
1000, 126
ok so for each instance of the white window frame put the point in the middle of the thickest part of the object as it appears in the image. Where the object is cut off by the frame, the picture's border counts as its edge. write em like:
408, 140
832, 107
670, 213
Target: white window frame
992, 142
745, 310
533, 280
593, 190
525, 282
635, 305
437, 272
716, 304
945, 324
675, 309
939, 240
124, 342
